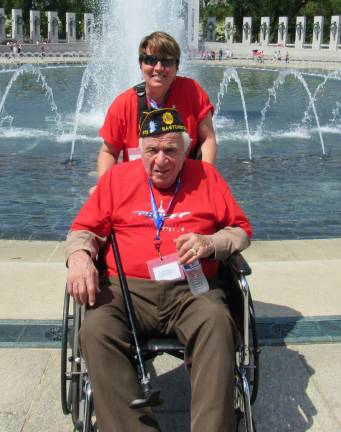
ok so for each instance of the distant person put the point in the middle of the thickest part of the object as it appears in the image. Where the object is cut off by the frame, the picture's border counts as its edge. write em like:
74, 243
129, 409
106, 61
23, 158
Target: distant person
287, 57
220, 54
159, 58
42, 49
15, 48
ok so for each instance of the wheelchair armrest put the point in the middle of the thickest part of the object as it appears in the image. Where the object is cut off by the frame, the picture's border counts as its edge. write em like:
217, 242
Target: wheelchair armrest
238, 264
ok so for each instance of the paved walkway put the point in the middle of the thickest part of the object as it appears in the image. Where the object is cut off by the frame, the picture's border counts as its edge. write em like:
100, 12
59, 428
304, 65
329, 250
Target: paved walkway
300, 384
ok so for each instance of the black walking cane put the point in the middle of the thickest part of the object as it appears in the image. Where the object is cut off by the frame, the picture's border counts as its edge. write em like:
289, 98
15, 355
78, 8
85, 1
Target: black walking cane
150, 397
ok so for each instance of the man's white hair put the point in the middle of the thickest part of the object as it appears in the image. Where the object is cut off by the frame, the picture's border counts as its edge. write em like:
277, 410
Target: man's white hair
185, 139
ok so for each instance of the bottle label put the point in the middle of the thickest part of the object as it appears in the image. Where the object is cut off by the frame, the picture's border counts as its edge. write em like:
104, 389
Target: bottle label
192, 266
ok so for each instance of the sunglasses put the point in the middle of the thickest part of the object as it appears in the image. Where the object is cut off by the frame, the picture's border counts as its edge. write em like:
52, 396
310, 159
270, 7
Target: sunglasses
152, 60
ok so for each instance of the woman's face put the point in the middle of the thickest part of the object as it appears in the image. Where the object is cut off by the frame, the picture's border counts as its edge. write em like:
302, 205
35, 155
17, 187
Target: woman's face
158, 76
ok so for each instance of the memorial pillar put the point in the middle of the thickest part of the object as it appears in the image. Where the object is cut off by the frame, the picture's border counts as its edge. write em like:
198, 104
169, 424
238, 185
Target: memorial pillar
282, 31
247, 30
34, 26
2, 25
334, 32
70, 27
211, 29
264, 31
193, 24
89, 24
318, 32
17, 24
229, 30
301, 26
52, 26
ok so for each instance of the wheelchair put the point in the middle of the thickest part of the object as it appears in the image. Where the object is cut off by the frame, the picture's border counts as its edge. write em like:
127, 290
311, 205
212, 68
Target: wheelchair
76, 389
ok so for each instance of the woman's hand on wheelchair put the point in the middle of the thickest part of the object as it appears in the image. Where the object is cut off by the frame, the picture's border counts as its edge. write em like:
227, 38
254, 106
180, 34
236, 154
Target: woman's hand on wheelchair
82, 279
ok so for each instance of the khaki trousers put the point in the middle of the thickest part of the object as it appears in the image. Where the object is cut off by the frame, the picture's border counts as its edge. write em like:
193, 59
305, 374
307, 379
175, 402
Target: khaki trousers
202, 323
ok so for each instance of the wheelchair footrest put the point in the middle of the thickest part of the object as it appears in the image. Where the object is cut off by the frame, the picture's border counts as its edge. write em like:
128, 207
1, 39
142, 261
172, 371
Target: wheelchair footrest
152, 398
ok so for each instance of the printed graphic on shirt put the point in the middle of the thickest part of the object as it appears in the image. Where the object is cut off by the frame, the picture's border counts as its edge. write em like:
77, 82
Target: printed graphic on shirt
162, 213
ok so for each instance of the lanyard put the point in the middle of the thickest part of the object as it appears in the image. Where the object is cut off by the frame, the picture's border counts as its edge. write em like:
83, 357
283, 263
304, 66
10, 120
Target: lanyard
157, 217
155, 105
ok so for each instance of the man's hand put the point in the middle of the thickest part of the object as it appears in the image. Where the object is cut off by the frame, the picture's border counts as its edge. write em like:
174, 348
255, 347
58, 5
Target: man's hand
192, 246
82, 278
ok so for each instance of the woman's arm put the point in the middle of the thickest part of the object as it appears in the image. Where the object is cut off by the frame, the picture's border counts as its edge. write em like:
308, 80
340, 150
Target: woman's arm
207, 140
107, 157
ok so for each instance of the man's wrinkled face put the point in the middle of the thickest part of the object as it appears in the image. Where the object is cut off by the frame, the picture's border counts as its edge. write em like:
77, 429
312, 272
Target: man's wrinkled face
163, 157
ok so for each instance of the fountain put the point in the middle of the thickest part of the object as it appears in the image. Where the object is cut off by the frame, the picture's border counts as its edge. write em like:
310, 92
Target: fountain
278, 133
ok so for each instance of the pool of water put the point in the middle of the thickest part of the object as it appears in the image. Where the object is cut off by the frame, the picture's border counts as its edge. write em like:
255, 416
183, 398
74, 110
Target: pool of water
291, 189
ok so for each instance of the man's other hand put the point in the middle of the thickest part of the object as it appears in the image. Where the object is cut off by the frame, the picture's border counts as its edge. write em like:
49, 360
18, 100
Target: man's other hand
82, 278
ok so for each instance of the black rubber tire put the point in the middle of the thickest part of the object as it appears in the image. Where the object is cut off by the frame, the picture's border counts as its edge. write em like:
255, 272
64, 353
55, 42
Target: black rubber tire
70, 388
64, 383
253, 373
76, 382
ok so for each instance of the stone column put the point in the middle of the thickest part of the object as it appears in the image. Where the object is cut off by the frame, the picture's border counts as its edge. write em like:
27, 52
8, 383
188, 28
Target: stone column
17, 22
264, 32
89, 23
282, 31
52, 26
334, 32
34, 26
70, 27
247, 30
211, 29
301, 26
2, 24
318, 32
229, 30
193, 24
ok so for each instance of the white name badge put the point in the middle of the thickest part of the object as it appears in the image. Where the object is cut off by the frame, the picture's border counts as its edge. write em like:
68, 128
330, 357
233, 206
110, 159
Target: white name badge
166, 269
134, 153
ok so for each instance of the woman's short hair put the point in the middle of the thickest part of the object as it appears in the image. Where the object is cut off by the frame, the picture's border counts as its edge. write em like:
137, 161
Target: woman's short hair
162, 44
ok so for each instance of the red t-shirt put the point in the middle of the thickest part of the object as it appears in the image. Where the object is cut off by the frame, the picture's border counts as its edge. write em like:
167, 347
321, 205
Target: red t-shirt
120, 129
203, 204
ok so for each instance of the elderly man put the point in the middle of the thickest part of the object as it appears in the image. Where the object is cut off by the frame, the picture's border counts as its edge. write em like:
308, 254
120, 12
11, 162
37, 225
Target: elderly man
166, 211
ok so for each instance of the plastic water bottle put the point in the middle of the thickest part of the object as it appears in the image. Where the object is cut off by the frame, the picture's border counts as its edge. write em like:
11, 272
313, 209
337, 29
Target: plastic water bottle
195, 277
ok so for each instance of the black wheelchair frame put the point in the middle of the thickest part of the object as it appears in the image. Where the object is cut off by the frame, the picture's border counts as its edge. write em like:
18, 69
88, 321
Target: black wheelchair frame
76, 389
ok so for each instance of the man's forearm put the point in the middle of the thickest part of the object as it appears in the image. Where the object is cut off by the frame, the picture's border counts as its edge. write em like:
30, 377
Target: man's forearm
83, 240
229, 240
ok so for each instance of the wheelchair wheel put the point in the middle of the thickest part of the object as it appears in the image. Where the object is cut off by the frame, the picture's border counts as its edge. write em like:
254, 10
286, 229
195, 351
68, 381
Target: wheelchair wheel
65, 353
71, 377
253, 371
242, 425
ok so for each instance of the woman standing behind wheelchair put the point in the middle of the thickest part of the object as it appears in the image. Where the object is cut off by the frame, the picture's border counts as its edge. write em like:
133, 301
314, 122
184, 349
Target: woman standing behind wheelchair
159, 58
